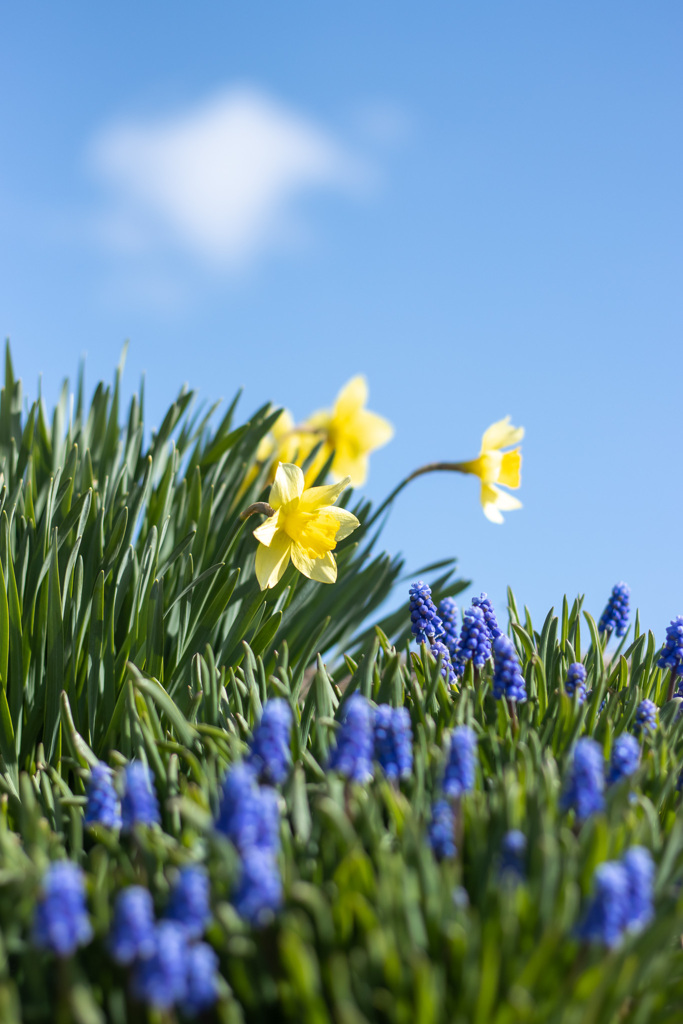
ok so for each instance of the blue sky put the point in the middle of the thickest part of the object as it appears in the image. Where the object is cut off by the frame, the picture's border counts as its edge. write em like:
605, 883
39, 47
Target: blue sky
475, 205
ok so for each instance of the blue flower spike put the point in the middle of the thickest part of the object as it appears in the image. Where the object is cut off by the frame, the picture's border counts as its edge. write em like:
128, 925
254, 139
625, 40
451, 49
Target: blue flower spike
490, 619
139, 805
671, 655
270, 751
248, 813
394, 741
160, 979
508, 680
605, 917
614, 618
103, 806
424, 618
461, 765
259, 890
353, 754
440, 650
475, 640
448, 613
189, 901
640, 871
132, 930
584, 786
202, 980
625, 758
61, 922
513, 856
575, 683
441, 832
646, 717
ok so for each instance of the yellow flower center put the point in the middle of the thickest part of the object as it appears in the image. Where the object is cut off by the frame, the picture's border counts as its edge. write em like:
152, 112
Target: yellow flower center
313, 532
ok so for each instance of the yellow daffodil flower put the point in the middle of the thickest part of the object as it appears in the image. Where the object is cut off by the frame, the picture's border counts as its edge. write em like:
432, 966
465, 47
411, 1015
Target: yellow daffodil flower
351, 431
494, 466
305, 526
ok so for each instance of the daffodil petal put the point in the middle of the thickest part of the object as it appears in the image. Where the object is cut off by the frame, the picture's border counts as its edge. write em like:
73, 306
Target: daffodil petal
372, 430
511, 464
323, 570
283, 425
353, 468
507, 502
347, 521
320, 497
492, 513
351, 398
288, 484
272, 561
266, 531
500, 435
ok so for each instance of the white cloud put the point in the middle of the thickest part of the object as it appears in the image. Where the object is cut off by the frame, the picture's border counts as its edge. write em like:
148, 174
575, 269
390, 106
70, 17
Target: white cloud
221, 179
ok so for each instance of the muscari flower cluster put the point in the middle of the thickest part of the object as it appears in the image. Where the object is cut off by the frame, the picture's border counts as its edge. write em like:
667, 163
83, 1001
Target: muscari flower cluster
508, 680
622, 898
614, 618
584, 788
61, 922
458, 779
249, 816
646, 717
448, 613
139, 805
425, 622
394, 741
384, 734
484, 603
575, 683
475, 640
440, 650
270, 746
169, 965
625, 758
671, 655
513, 856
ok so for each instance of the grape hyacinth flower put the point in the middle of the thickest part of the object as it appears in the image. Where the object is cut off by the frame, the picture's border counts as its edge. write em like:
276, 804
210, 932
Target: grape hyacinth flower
270, 753
259, 890
60, 922
132, 930
439, 650
424, 618
671, 655
441, 832
248, 814
189, 901
102, 807
585, 782
605, 918
160, 979
202, 979
484, 603
640, 871
513, 855
575, 682
475, 641
352, 756
615, 616
139, 805
460, 767
508, 680
448, 613
394, 741
625, 758
646, 717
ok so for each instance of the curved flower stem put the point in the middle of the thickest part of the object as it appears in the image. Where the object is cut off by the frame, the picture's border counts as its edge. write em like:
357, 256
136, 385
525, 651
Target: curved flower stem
512, 708
261, 507
431, 467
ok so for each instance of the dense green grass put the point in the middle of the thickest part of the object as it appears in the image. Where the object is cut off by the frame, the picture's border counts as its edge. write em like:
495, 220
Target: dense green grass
132, 626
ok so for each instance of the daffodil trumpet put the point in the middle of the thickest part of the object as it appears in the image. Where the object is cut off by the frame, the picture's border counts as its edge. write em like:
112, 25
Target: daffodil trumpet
493, 466
304, 525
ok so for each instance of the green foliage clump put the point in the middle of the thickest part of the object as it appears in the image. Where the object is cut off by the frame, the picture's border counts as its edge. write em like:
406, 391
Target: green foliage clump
132, 627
